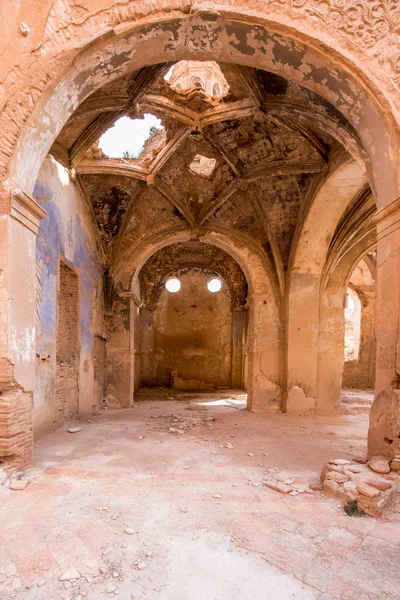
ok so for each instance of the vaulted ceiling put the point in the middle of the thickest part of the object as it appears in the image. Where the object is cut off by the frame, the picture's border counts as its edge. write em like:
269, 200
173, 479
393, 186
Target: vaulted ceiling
272, 143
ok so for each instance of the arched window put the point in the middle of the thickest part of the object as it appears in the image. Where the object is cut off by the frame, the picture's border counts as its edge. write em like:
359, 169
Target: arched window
352, 326
198, 83
216, 91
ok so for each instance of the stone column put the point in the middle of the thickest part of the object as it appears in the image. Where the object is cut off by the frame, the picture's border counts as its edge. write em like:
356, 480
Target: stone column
17, 321
136, 341
265, 354
146, 345
384, 414
366, 359
330, 349
118, 349
238, 330
302, 343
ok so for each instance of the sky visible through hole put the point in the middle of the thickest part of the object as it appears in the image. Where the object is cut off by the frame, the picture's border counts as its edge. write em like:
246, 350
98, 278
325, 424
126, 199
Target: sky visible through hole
128, 135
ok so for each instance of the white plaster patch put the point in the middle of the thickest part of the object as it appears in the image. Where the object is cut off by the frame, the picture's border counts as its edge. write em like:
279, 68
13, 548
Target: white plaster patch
22, 343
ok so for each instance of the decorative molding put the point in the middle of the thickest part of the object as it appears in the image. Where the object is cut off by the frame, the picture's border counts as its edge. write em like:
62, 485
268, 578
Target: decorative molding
26, 210
372, 25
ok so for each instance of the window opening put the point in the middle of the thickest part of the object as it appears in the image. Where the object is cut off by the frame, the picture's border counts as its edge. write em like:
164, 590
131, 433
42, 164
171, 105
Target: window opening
173, 285
126, 138
214, 285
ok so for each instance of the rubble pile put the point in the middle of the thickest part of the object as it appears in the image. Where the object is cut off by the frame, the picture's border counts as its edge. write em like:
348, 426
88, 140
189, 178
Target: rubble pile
179, 424
373, 485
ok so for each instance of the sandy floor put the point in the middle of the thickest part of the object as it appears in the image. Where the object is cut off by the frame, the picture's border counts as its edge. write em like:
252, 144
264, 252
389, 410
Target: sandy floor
138, 510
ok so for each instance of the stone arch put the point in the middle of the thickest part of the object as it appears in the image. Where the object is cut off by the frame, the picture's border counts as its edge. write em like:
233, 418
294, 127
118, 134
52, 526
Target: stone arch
331, 328
265, 360
208, 36
314, 233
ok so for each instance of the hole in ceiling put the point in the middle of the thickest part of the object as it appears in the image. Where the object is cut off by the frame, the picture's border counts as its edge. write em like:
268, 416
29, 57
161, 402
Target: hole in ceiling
127, 137
214, 285
203, 75
203, 166
173, 285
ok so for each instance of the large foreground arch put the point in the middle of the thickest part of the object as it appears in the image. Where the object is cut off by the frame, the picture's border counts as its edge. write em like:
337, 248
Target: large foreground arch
79, 54
204, 36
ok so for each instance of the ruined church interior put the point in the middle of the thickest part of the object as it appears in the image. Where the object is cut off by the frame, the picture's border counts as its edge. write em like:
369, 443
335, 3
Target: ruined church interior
200, 300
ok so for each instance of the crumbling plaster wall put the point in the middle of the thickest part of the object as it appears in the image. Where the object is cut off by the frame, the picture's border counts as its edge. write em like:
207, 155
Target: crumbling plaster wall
192, 334
67, 234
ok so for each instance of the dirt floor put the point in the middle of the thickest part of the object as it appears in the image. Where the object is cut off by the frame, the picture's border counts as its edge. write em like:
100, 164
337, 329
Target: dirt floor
165, 501
356, 401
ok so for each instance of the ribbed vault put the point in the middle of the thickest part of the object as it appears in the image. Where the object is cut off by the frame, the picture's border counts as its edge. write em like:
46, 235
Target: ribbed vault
272, 144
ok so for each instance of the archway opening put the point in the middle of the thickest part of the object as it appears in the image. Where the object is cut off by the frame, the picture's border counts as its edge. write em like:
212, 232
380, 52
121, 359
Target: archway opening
359, 337
192, 324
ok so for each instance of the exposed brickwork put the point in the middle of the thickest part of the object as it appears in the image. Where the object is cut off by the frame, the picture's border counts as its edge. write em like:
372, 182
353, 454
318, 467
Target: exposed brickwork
16, 441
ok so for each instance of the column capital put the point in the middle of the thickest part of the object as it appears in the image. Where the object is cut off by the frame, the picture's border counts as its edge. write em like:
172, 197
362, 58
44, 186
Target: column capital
26, 210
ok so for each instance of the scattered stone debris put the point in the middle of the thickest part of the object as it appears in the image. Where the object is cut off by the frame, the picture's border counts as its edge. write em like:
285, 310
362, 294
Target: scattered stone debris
18, 484
129, 531
218, 496
71, 574
179, 424
278, 486
74, 429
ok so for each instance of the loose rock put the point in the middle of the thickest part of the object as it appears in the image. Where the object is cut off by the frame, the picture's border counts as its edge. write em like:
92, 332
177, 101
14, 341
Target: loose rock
338, 477
353, 469
70, 574
379, 464
330, 486
395, 464
367, 490
278, 486
18, 484
379, 485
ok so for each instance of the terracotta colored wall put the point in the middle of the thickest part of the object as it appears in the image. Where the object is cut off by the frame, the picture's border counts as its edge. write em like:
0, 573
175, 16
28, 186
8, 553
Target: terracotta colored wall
192, 334
66, 232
